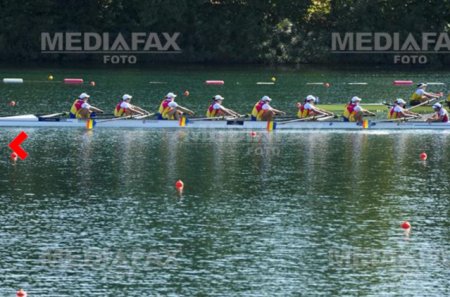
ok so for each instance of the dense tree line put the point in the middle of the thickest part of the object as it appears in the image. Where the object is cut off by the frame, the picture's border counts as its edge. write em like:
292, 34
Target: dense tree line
220, 31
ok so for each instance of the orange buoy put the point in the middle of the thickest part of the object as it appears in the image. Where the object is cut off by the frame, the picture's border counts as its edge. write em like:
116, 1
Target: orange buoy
405, 225
179, 185
326, 85
423, 156
12, 103
21, 293
13, 157
92, 83
186, 93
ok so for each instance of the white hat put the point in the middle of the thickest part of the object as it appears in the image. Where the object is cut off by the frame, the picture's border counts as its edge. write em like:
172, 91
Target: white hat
310, 98
171, 95
437, 106
126, 97
84, 95
400, 101
355, 98
266, 98
421, 85
218, 97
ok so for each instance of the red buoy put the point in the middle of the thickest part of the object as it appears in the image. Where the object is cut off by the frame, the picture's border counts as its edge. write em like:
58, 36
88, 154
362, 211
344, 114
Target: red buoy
13, 157
179, 185
403, 82
423, 156
92, 83
73, 81
186, 93
326, 85
253, 134
21, 293
12, 103
405, 225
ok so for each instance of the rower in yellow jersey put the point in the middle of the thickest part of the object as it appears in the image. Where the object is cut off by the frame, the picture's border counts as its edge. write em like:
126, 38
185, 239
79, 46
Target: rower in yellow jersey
262, 111
125, 108
216, 109
309, 110
399, 110
353, 112
420, 95
170, 110
81, 109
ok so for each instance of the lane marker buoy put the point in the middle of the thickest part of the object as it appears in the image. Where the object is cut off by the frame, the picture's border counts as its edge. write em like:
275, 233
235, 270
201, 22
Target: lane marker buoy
73, 81
214, 82
13, 80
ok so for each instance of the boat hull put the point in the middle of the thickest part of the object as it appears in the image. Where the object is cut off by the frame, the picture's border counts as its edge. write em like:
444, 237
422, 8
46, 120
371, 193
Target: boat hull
34, 121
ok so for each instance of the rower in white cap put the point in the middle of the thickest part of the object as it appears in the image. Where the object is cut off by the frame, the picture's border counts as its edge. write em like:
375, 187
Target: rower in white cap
353, 112
420, 95
125, 108
170, 110
262, 111
440, 115
399, 110
309, 110
216, 109
81, 109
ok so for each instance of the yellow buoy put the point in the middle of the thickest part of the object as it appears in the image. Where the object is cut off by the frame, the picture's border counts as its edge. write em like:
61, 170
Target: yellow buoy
50, 77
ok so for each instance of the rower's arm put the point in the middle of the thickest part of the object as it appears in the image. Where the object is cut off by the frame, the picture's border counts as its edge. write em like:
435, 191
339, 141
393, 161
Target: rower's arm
186, 110
432, 95
365, 111
137, 110
410, 113
434, 118
276, 111
93, 108
321, 111
230, 112
140, 110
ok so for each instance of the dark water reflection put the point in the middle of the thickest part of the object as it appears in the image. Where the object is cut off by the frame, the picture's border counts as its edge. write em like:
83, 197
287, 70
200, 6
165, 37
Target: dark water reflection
278, 214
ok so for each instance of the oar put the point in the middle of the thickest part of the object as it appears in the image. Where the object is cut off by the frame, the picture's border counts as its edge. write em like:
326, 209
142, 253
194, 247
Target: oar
140, 117
212, 119
326, 118
302, 119
424, 117
423, 103
127, 117
54, 115
402, 119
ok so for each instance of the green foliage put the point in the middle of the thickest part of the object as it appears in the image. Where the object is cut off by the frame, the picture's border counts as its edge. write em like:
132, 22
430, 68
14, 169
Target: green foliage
218, 31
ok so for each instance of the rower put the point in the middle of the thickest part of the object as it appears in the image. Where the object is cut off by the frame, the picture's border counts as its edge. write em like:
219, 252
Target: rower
420, 95
81, 109
170, 110
262, 111
399, 110
440, 115
216, 109
353, 112
308, 109
124, 108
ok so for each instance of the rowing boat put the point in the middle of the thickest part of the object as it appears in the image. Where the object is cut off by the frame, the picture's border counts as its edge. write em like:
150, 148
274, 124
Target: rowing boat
24, 121
372, 107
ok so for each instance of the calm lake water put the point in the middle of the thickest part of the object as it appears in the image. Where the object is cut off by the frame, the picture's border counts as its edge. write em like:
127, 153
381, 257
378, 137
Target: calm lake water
288, 213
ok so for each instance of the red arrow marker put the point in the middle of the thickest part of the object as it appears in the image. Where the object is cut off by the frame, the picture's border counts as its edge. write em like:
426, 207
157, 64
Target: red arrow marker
15, 145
